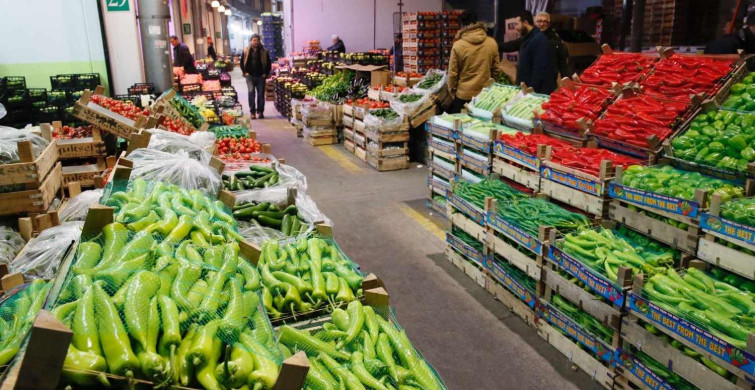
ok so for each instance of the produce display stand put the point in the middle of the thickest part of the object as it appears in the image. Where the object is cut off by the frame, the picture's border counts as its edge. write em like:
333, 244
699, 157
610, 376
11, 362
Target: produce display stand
719, 231
107, 120
578, 189
738, 361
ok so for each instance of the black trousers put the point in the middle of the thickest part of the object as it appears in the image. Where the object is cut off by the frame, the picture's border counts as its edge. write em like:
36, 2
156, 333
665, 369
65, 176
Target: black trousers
457, 105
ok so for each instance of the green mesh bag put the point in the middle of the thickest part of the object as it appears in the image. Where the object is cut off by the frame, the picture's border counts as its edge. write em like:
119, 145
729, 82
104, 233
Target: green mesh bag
18, 310
361, 346
162, 295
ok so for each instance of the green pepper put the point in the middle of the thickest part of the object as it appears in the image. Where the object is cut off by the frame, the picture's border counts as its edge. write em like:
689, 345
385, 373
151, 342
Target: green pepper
234, 373
85, 334
115, 342
710, 131
79, 366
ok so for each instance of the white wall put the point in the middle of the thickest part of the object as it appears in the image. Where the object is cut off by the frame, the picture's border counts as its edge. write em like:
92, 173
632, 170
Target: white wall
352, 20
124, 47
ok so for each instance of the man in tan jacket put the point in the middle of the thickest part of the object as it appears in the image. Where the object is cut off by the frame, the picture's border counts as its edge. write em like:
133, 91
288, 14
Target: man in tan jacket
474, 60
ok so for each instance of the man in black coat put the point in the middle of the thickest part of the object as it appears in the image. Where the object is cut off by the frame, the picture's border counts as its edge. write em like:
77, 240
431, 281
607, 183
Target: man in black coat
211, 49
338, 45
559, 55
532, 68
182, 56
255, 65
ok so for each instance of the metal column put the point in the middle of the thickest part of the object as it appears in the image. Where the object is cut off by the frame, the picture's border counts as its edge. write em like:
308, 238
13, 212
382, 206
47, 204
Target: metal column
638, 25
153, 25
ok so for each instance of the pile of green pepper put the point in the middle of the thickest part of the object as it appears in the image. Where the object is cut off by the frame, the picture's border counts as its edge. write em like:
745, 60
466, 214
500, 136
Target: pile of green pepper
663, 372
740, 210
585, 320
742, 95
187, 111
17, 314
718, 138
669, 181
670, 221
708, 300
257, 176
360, 350
162, 294
229, 131
531, 213
605, 251
271, 216
305, 275
476, 193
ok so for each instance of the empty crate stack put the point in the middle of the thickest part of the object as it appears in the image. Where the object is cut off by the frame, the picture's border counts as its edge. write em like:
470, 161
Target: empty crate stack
422, 43
272, 34
450, 25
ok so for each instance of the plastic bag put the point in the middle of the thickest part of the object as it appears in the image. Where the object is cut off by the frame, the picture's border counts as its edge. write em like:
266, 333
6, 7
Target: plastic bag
44, 253
320, 131
435, 88
288, 177
175, 168
378, 124
78, 206
316, 111
265, 160
410, 107
10, 244
170, 142
9, 138
3, 112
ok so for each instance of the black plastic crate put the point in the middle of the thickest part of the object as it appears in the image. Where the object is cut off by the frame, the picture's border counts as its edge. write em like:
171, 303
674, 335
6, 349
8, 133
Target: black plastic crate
14, 83
37, 95
86, 81
47, 114
62, 81
16, 118
142, 89
16, 99
75, 95
58, 97
38, 105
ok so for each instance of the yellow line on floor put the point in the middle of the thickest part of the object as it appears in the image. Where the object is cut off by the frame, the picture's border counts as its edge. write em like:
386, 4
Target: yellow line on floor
339, 158
423, 221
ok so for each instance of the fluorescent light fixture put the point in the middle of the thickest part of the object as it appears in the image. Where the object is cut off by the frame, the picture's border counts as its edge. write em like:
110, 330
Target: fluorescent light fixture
215, 4
228, 12
259, 23
221, 9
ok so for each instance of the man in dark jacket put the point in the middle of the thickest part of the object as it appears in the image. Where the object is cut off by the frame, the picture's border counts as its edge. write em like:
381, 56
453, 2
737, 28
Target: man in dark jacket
532, 68
182, 56
211, 49
559, 55
337, 45
255, 65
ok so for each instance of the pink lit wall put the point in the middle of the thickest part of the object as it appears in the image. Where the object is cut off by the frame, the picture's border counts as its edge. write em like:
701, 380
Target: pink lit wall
358, 22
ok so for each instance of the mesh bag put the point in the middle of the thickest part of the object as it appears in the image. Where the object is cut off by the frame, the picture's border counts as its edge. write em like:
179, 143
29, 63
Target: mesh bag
9, 139
18, 310
163, 295
44, 253
175, 168
335, 279
78, 206
196, 147
10, 244
359, 344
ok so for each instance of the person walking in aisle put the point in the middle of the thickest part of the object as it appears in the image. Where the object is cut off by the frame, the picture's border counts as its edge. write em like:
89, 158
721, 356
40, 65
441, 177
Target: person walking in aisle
557, 51
474, 60
255, 65
532, 68
211, 49
337, 45
182, 56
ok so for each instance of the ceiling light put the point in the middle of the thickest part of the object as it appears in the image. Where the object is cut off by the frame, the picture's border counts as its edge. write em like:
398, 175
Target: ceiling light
259, 23
221, 9
215, 4
228, 12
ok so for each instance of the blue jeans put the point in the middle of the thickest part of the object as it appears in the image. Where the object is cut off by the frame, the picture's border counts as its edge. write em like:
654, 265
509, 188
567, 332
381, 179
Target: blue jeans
256, 85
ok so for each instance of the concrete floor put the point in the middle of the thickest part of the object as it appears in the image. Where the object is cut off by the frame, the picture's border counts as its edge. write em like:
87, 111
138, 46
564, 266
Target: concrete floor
381, 222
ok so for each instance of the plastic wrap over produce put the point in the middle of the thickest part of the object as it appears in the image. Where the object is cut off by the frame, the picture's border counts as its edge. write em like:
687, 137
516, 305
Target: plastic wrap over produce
279, 196
78, 207
316, 111
432, 82
261, 159
198, 147
408, 101
383, 123
175, 168
10, 244
44, 253
9, 139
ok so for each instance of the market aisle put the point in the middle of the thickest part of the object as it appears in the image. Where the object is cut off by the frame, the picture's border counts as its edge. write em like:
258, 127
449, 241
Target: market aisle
380, 220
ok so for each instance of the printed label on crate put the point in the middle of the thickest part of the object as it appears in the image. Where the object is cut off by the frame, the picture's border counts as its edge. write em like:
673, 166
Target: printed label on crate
510, 283
709, 171
621, 147
635, 367
466, 208
569, 180
575, 332
516, 155
586, 275
80, 148
515, 233
437, 168
450, 149
440, 131
679, 206
443, 187
436, 207
475, 143
104, 119
728, 228
701, 338
471, 162
466, 250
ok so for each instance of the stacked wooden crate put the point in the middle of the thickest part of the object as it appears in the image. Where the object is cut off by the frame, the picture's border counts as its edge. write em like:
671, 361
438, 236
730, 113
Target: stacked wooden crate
318, 126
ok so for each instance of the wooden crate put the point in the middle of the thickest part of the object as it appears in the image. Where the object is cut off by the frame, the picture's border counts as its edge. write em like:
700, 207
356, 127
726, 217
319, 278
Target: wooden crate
441, 149
439, 170
30, 171
719, 231
107, 120
161, 106
380, 151
683, 239
359, 126
83, 174
348, 145
516, 165
319, 141
688, 368
360, 152
466, 258
576, 188
348, 121
466, 224
348, 133
310, 122
423, 113
383, 164
34, 200
402, 136
78, 147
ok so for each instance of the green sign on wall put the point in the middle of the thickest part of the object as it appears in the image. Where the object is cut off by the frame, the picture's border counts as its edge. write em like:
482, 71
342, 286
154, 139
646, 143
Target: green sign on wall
117, 5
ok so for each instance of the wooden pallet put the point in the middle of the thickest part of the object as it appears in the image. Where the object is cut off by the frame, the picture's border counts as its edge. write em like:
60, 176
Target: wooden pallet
34, 200
683, 239
78, 147
107, 120
688, 368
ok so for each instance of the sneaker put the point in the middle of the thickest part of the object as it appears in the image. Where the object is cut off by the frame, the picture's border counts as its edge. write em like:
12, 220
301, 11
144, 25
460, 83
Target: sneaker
262, 116
253, 116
